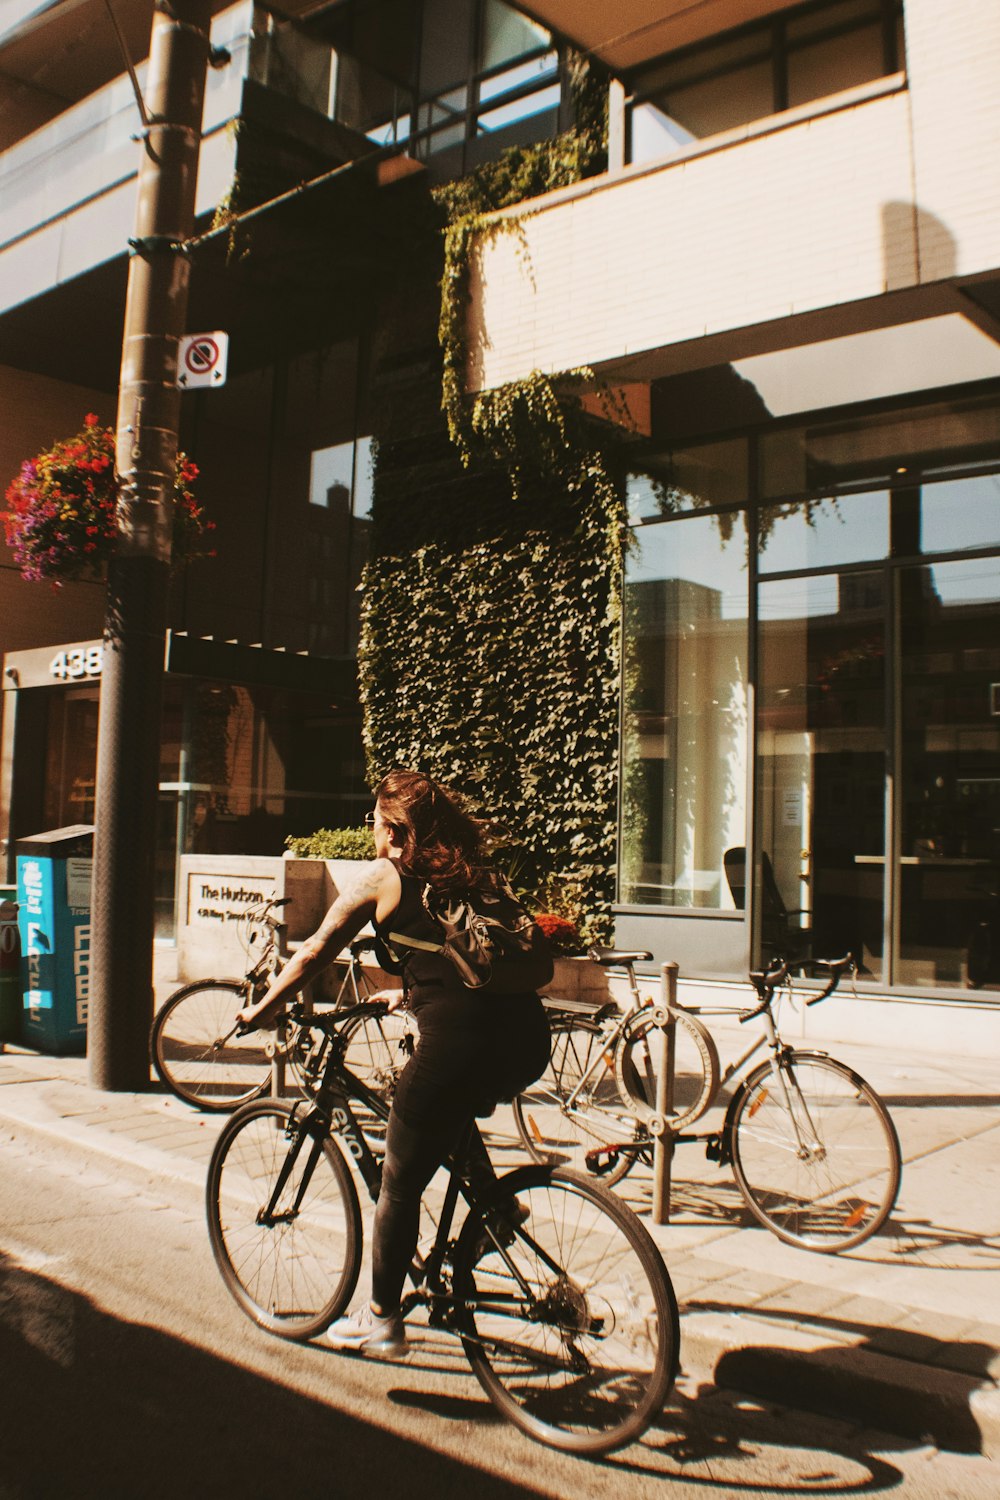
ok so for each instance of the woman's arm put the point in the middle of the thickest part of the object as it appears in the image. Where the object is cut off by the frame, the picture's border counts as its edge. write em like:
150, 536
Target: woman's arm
376, 890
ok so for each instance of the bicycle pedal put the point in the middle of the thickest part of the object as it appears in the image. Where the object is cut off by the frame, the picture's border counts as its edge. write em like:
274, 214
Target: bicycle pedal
716, 1150
601, 1159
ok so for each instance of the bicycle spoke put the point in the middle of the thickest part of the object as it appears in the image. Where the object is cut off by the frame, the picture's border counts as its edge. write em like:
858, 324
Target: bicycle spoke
815, 1153
291, 1263
571, 1324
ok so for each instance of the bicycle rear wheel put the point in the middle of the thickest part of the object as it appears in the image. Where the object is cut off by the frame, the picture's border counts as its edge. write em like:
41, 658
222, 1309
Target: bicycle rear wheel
560, 1121
195, 1050
567, 1312
815, 1152
289, 1257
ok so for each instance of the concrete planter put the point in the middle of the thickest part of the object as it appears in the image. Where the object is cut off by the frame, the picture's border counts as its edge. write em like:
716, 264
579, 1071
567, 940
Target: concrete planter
580, 979
217, 889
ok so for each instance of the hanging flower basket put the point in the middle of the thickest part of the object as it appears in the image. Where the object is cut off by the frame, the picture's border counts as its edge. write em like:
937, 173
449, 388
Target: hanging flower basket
61, 524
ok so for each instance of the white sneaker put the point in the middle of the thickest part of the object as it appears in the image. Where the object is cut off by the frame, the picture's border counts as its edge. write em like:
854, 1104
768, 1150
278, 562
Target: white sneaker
366, 1332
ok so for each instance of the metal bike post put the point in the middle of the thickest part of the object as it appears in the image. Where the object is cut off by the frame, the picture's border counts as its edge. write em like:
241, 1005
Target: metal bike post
663, 1145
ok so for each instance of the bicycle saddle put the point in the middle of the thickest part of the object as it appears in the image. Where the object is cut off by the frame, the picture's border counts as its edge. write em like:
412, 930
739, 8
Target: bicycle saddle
615, 957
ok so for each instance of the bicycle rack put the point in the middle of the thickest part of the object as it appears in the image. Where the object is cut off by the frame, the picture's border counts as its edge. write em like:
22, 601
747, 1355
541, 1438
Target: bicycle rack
659, 1124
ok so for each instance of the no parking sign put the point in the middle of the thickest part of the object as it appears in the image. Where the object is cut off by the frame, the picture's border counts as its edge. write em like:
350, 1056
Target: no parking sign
201, 360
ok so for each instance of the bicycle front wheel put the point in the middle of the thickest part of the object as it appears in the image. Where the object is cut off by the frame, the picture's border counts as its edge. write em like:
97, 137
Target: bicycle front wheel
815, 1152
283, 1220
567, 1313
196, 1052
575, 1108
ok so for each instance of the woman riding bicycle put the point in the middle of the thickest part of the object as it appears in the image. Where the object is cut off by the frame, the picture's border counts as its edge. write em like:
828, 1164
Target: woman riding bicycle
473, 1049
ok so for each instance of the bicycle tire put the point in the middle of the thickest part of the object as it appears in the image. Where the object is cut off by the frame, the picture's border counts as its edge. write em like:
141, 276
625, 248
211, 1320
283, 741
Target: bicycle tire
696, 1068
294, 1276
836, 1189
555, 1133
195, 1052
566, 1311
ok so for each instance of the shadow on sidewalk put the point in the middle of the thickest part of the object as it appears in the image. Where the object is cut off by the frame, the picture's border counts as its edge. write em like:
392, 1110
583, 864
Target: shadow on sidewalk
94, 1406
899, 1380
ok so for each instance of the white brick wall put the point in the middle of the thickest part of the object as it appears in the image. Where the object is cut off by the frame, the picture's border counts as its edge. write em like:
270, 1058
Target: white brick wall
880, 195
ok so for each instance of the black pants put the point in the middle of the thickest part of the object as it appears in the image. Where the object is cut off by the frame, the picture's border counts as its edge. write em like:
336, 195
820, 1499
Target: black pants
465, 1060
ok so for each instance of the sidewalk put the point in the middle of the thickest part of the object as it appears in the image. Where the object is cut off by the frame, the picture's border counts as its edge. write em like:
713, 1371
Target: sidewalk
902, 1334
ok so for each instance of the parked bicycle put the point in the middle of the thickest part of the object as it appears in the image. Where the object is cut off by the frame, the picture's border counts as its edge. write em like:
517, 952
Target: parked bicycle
813, 1149
560, 1298
201, 1055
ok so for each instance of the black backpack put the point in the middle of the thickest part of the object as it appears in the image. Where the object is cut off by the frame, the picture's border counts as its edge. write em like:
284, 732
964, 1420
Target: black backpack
490, 940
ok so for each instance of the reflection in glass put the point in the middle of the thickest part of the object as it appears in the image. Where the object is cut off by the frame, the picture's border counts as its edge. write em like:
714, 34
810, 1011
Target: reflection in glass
821, 765
960, 513
949, 920
684, 734
507, 34
824, 533
692, 478
818, 456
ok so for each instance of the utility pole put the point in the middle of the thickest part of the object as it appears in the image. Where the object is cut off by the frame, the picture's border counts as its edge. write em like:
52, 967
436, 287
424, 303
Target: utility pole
128, 750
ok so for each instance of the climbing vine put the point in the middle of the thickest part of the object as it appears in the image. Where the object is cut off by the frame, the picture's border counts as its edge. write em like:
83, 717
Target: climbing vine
491, 604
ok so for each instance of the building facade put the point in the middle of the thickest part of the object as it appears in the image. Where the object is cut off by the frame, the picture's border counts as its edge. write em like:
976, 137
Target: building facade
790, 275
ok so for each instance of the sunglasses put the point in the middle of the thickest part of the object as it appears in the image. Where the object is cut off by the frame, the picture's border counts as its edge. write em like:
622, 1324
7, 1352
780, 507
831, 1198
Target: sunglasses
369, 820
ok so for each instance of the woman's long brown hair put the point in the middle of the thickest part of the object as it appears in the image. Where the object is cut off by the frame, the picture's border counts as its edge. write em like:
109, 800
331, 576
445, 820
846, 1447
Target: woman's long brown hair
440, 841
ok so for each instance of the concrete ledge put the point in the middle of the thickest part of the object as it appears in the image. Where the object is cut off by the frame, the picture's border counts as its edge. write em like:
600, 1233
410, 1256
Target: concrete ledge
805, 1370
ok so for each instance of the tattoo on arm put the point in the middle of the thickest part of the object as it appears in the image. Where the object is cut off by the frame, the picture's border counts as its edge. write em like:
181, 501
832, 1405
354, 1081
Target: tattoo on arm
351, 910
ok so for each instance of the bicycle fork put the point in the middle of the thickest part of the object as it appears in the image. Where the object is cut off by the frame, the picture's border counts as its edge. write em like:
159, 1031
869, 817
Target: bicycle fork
268, 1216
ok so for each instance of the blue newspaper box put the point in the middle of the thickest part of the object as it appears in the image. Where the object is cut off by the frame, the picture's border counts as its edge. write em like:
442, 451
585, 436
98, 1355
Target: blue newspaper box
53, 895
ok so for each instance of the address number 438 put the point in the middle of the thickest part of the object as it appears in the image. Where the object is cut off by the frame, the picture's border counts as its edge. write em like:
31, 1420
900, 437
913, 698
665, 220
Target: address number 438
78, 661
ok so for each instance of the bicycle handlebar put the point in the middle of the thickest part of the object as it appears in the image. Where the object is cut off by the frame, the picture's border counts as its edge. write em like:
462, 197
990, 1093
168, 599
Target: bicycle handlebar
766, 981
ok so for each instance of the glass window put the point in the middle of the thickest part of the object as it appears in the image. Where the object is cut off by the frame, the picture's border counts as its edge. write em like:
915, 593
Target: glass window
933, 439
950, 775
720, 103
518, 77
835, 63
758, 70
821, 746
960, 513
690, 479
445, 44
684, 732
507, 34
520, 109
823, 533
445, 118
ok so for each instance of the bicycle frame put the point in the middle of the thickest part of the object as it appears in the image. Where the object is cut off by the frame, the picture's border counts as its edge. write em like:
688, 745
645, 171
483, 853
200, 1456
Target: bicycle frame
330, 1113
716, 1141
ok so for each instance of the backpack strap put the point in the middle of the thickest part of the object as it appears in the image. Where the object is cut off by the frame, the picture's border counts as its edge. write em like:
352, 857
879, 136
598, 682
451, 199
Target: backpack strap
412, 942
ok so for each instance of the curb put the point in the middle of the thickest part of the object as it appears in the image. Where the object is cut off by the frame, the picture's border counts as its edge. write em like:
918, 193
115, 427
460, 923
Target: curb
804, 1370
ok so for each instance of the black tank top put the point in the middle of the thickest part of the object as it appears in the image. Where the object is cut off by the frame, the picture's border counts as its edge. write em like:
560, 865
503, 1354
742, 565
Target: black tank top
426, 976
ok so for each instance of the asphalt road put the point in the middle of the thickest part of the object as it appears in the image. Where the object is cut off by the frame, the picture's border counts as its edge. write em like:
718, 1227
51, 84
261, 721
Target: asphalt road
126, 1371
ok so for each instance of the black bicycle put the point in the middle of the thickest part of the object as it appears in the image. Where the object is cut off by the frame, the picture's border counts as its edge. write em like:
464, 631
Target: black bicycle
560, 1298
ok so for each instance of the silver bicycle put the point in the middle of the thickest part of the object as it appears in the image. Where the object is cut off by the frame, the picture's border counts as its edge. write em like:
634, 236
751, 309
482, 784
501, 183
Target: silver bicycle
813, 1149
